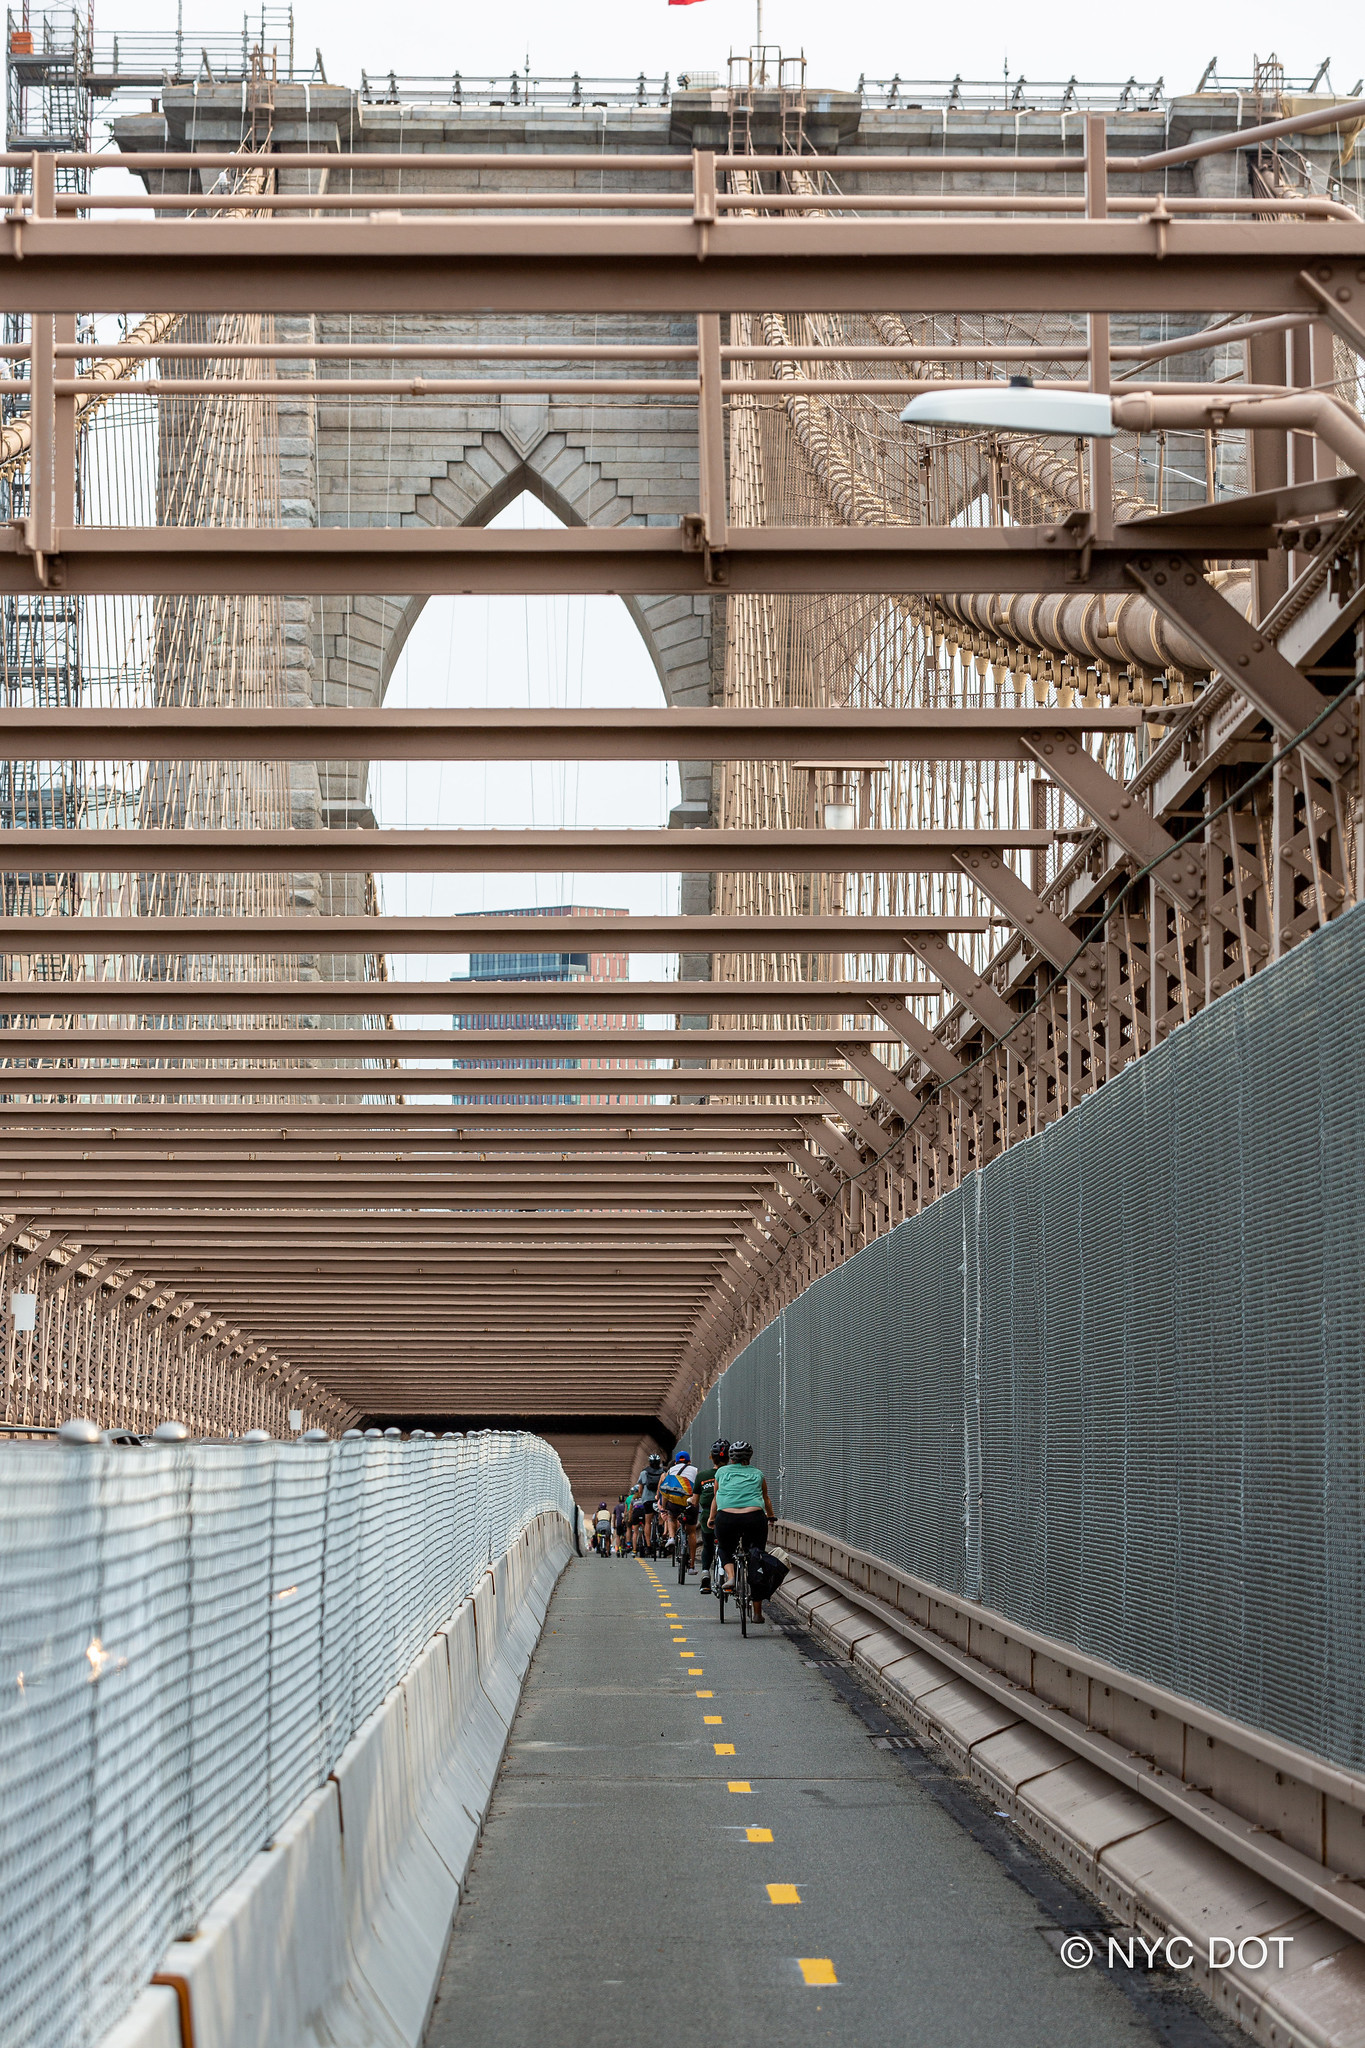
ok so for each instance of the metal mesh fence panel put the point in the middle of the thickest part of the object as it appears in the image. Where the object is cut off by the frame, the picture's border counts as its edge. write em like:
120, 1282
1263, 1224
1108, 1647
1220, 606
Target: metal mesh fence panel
189, 1637
1114, 1385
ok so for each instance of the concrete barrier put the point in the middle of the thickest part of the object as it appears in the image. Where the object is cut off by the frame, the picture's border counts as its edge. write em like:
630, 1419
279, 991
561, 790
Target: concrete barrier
334, 1936
1149, 1871
151, 2021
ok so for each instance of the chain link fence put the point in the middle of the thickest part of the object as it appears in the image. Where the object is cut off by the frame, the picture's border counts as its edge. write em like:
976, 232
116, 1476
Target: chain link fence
189, 1637
1114, 1386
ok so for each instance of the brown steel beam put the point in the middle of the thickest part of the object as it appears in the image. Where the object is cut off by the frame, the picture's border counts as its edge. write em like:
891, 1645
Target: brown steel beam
469, 1051
58, 1151
387, 1229
1054, 938
462, 1120
621, 561
655, 1254
263, 1082
572, 264
915, 1033
1251, 662
593, 1235
976, 991
333, 935
985, 733
419, 998
1125, 818
167, 850
650, 1186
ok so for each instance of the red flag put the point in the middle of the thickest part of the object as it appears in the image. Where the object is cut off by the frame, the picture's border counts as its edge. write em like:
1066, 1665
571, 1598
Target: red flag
682, 3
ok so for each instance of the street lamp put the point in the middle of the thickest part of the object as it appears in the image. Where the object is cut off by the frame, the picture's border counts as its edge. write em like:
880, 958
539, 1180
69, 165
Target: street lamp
1018, 407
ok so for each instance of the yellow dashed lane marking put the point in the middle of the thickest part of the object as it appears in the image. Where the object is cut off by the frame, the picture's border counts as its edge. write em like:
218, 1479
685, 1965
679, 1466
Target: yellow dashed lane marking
695, 1671
712, 1720
723, 1748
758, 1834
816, 1969
739, 1785
705, 1695
784, 1895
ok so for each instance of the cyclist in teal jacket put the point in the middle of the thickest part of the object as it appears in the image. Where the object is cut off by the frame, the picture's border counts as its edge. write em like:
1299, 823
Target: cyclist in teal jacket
741, 1509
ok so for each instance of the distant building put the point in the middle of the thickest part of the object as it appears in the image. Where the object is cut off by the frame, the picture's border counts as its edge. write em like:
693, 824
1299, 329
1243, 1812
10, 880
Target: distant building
587, 965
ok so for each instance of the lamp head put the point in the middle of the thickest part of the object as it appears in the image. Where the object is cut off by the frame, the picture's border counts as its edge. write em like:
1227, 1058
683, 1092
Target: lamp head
1015, 408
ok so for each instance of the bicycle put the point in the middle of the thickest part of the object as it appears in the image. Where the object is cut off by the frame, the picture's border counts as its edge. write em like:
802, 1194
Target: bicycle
742, 1597
680, 1546
601, 1542
723, 1589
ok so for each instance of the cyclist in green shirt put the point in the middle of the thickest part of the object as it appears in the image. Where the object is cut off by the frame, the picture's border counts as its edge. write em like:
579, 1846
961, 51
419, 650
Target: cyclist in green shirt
706, 1491
741, 1510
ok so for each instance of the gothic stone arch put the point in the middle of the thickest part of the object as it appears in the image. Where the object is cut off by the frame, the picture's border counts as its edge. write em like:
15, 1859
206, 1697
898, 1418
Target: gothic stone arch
439, 470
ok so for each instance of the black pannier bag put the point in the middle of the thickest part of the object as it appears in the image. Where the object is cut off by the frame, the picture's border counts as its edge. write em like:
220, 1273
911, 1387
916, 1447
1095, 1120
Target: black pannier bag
766, 1574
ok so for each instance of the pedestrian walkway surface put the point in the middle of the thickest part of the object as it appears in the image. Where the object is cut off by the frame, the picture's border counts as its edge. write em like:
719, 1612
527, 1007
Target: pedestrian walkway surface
694, 1838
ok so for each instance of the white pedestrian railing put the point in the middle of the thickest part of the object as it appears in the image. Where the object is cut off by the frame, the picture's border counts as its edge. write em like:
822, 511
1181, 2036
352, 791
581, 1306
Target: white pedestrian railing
189, 1637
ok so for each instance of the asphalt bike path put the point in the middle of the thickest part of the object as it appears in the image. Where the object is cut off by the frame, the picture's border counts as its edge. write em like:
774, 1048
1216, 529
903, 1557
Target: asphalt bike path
694, 1835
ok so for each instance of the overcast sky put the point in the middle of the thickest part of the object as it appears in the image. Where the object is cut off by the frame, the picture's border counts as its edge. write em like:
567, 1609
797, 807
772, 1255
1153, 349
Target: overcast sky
566, 652
611, 38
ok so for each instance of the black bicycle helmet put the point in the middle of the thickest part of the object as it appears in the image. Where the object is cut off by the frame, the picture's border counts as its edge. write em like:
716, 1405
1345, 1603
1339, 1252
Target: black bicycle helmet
655, 1462
721, 1447
741, 1452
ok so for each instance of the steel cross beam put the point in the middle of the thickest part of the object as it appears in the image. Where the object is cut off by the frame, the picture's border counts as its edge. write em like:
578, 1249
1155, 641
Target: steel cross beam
463, 1120
422, 998
462, 1047
335, 733
506, 1235
165, 850
458, 264
732, 1155
1250, 661
619, 561
631, 1085
334, 935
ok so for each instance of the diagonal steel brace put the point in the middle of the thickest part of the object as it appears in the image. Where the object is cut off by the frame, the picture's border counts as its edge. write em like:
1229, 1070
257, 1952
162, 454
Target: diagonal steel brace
1125, 818
1054, 939
923, 1044
979, 996
822, 1132
1251, 662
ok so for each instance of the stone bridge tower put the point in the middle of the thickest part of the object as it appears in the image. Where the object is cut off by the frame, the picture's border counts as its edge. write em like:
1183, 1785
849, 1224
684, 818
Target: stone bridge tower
592, 457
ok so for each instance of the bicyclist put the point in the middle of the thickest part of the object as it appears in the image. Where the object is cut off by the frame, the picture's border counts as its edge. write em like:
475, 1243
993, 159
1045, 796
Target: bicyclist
644, 1516
602, 1528
741, 1510
677, 1493
706, 1492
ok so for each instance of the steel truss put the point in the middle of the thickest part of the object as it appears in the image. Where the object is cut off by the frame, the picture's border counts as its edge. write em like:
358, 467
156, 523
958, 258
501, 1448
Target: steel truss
862, 1044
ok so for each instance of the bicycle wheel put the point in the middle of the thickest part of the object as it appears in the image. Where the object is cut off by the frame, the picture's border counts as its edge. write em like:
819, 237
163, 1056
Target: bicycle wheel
742, 1593
680, 1546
